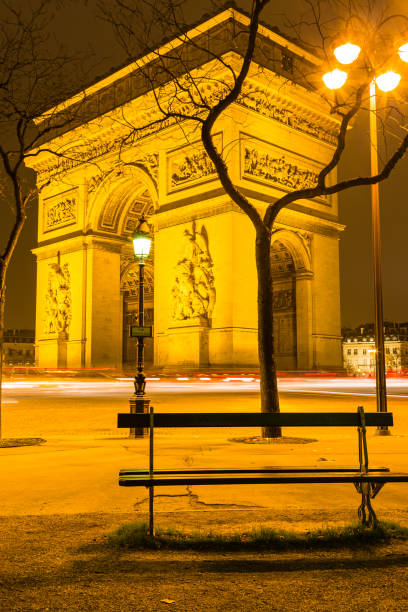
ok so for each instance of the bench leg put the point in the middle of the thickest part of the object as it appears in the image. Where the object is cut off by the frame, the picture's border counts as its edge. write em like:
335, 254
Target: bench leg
151, 520
366, 512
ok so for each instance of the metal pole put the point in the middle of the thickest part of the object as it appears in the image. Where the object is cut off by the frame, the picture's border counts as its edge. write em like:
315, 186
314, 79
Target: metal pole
151, 469
381, 388
139, 402
140, 341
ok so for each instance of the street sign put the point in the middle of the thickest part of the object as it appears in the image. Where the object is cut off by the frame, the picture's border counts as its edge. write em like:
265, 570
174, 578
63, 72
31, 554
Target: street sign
139, 331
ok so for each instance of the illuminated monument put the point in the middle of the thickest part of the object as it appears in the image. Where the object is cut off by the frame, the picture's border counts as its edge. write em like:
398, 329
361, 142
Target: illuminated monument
201, 281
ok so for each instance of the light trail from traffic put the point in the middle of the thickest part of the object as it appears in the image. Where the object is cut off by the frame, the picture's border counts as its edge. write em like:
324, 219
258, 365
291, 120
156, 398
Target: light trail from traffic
123, 387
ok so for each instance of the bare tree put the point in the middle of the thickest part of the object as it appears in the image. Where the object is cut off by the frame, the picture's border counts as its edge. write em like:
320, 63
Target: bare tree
34, 72
180, 95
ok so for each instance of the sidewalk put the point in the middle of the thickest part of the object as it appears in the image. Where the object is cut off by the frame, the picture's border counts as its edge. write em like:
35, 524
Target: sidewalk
78, 473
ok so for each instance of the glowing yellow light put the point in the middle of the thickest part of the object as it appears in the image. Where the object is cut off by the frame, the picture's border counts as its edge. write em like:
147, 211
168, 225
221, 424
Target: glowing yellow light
335, 79
141, 240
403, 52
388, 81
347, 53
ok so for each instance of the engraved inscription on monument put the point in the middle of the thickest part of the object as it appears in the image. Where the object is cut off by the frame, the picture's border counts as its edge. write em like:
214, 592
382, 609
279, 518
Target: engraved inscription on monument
60, 211
193, 290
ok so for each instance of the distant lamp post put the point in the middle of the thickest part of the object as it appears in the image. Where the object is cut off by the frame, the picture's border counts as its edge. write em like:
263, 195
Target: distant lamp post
346, 54
138, 402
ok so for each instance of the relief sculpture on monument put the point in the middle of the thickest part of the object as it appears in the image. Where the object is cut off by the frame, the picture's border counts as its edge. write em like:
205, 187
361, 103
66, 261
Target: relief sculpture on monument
59, 212
283, 299
277, 170
190, 165
58, 300
193, 290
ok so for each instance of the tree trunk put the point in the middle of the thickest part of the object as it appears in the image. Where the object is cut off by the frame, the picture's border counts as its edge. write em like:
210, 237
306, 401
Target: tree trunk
2, 303
267, 366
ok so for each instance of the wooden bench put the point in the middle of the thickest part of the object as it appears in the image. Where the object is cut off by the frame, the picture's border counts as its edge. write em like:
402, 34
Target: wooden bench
368, 481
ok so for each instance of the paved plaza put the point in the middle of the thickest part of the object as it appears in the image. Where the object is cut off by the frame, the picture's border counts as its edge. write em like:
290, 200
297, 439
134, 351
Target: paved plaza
76, 470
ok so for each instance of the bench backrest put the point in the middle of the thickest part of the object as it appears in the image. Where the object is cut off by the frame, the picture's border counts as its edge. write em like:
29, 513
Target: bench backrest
250, 419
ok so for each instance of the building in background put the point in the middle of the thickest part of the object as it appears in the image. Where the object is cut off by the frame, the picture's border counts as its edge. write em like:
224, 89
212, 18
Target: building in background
18, 347
359, 349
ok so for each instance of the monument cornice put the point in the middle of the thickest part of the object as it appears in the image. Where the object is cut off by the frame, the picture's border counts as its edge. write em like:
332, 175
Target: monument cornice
226, 20
140, 117
107, 140
197, 207
78, 240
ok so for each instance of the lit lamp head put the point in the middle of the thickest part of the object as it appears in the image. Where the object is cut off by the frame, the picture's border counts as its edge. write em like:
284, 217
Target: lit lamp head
388, 81
403, 52
347, 53
335, 79
142, 240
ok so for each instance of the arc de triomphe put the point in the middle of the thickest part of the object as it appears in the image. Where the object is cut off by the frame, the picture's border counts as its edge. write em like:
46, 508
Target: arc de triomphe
201, 279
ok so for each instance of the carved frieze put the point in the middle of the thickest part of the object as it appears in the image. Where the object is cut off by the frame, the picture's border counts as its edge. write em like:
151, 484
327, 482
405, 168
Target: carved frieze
59, 211
58, 300
193, 289
270, 169
190, 165
262, 102
149, 162
271, 165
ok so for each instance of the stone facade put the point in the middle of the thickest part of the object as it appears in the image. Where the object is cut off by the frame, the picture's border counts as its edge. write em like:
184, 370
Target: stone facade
359, 350
201, 279
18, 347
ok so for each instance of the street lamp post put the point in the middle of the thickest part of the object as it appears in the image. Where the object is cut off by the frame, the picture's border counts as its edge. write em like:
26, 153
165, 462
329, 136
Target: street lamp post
347, 54
139, 403
380, 376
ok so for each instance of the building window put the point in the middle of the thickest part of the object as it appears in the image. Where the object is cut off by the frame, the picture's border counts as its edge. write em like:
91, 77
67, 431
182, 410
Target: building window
349, 351
356, 351
387, 350
395, 351
364, 351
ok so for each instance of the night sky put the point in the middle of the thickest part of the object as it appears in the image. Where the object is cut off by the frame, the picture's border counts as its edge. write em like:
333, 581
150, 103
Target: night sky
77, 26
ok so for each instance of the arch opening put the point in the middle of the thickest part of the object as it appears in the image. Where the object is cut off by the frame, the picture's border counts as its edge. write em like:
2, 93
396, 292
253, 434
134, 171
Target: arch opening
129, 284
284, 306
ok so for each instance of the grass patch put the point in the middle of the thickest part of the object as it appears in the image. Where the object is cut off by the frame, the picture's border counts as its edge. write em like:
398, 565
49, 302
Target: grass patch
135, 535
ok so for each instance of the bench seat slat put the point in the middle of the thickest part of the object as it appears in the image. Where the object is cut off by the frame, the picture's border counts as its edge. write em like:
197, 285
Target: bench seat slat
283, 478
273, 470
251, 419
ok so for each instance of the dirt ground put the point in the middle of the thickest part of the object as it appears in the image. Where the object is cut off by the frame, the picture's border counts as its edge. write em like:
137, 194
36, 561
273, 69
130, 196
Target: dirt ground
62, 562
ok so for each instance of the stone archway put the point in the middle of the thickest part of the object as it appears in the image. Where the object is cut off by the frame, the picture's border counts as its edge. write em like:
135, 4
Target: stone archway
130, 301
127, 193
292, 286
284, 306
129, 283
